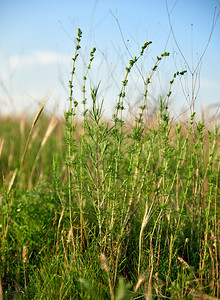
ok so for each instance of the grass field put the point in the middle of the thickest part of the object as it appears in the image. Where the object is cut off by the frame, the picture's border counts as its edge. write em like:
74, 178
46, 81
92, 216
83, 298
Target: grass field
99, 209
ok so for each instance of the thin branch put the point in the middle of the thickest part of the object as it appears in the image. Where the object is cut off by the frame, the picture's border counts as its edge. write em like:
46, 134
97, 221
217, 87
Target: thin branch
174, 37
215, 18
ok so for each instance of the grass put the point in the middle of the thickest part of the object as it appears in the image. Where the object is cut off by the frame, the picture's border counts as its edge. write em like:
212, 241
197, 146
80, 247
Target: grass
98, 209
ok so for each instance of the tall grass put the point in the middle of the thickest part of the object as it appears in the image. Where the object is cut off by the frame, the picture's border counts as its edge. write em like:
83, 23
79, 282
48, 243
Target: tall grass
130, 212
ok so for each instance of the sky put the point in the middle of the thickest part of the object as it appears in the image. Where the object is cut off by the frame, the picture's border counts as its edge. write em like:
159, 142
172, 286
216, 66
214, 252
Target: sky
38, 39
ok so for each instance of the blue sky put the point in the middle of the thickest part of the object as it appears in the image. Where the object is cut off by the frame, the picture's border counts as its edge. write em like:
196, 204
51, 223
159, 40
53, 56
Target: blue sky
37, 43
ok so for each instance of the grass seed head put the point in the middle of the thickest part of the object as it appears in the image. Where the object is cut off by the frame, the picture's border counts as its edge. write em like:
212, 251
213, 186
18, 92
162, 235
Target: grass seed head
104, 262
24, 254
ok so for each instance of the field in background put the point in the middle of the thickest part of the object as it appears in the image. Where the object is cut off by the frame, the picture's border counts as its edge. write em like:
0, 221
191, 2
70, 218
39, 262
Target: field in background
109, 209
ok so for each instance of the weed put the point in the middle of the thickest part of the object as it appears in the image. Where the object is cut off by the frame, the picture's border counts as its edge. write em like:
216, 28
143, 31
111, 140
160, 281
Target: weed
122, 212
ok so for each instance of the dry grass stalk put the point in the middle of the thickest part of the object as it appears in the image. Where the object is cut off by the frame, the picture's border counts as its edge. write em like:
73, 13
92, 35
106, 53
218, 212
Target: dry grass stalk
6, 229
1, 145
185, 264
24, 254
33, 125
143, 225
140, 280
148, 294
11, 154
24, 259
104, 265
12, 180
70, 234
70, 238
22, 133
104, 262
58, 228
44, 102
50, 129
1, 290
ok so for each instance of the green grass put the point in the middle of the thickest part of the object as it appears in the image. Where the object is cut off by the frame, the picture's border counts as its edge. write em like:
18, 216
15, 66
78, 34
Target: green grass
103, 210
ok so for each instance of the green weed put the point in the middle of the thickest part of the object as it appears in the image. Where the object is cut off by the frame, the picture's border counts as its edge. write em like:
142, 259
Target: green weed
106, 210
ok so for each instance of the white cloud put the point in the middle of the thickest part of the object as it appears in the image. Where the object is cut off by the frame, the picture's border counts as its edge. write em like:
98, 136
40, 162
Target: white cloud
38, 57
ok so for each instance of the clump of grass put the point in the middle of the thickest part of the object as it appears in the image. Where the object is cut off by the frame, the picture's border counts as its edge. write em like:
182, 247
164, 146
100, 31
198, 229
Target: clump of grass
131, 212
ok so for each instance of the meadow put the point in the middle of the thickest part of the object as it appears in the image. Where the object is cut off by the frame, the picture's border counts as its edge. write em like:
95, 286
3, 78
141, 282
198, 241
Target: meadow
93, 208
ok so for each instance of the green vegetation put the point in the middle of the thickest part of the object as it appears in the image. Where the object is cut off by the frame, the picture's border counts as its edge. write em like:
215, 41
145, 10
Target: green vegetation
97, 209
